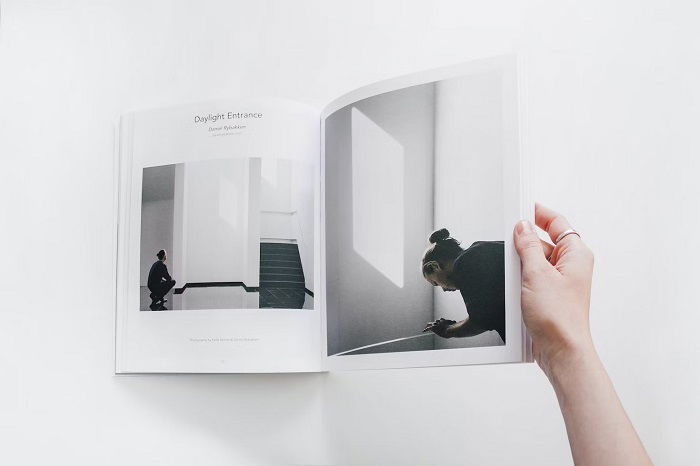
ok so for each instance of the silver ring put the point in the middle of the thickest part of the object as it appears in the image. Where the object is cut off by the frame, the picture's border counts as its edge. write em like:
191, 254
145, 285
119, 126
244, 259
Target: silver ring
564, 234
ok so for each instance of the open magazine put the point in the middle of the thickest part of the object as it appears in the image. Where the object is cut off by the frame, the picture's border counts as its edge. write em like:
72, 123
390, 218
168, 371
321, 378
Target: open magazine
264, 235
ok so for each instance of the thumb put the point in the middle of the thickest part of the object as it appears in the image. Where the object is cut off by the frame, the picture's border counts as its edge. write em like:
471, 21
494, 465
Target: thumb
529, 247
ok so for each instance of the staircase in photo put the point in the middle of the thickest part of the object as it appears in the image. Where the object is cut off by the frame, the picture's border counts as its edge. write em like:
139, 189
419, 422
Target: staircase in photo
281, 276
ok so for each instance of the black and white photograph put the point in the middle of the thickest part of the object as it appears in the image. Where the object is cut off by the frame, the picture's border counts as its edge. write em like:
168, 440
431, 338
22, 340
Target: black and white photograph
227, 234
414, 218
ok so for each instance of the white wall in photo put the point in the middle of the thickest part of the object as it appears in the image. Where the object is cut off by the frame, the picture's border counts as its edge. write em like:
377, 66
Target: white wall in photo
469, 177
276, 211
378, 216
253, 192
157, 209
217, 237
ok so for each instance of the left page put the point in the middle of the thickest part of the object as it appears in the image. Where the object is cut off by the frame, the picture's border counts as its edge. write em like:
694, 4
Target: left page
217, 232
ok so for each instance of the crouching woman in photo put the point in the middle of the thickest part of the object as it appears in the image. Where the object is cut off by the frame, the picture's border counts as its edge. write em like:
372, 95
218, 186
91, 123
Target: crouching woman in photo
478, 273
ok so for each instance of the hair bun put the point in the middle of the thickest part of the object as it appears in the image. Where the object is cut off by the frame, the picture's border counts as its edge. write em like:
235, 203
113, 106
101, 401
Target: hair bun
439, 235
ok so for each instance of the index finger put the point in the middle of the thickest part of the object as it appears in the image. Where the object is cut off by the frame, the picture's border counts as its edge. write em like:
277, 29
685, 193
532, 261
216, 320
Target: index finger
550, 221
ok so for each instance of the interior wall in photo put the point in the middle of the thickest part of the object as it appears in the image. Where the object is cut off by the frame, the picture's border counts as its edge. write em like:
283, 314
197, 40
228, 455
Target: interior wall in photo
398, 166
468, 174
216, 240
378, 212
157, 209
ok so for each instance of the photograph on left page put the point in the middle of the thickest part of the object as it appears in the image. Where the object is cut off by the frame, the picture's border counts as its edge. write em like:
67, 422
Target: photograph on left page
227, 234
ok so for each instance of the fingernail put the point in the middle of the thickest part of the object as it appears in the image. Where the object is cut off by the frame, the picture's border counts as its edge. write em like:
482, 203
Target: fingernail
523, 227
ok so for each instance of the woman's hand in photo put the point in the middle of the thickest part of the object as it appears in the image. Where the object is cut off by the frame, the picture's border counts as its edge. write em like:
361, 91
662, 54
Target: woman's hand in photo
440, 327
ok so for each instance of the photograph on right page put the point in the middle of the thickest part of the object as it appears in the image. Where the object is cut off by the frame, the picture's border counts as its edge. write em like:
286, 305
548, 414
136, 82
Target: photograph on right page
414, 218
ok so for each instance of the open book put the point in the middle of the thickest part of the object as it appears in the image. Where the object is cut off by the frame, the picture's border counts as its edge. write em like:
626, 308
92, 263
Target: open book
264, 235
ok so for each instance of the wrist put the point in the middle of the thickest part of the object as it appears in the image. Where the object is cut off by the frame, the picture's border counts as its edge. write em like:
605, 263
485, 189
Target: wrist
562, 361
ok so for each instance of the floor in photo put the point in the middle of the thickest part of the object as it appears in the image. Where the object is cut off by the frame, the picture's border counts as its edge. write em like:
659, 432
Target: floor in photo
230, 297
393, 346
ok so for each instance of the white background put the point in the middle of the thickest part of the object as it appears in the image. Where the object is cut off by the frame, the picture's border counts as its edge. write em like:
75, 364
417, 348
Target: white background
613, 115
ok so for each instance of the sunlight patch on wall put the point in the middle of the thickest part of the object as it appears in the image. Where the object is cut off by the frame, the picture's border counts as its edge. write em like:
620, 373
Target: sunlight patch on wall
378, 197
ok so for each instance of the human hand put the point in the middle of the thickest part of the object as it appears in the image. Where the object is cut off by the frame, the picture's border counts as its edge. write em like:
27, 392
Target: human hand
556, 290
440, 327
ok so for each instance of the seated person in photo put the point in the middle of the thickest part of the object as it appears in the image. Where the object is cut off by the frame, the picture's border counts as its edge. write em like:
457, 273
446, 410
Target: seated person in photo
478, 273
159, 280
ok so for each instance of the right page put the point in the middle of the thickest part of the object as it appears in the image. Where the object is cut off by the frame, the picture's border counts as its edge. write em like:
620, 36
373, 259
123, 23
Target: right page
422, 182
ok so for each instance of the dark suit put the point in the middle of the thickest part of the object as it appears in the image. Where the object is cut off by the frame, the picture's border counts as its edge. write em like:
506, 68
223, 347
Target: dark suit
159, 280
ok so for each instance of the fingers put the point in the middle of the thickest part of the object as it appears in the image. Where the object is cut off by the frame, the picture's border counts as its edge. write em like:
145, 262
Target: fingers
430, 326
571, 257
547, 248
529, 247
550, 221
436, 325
